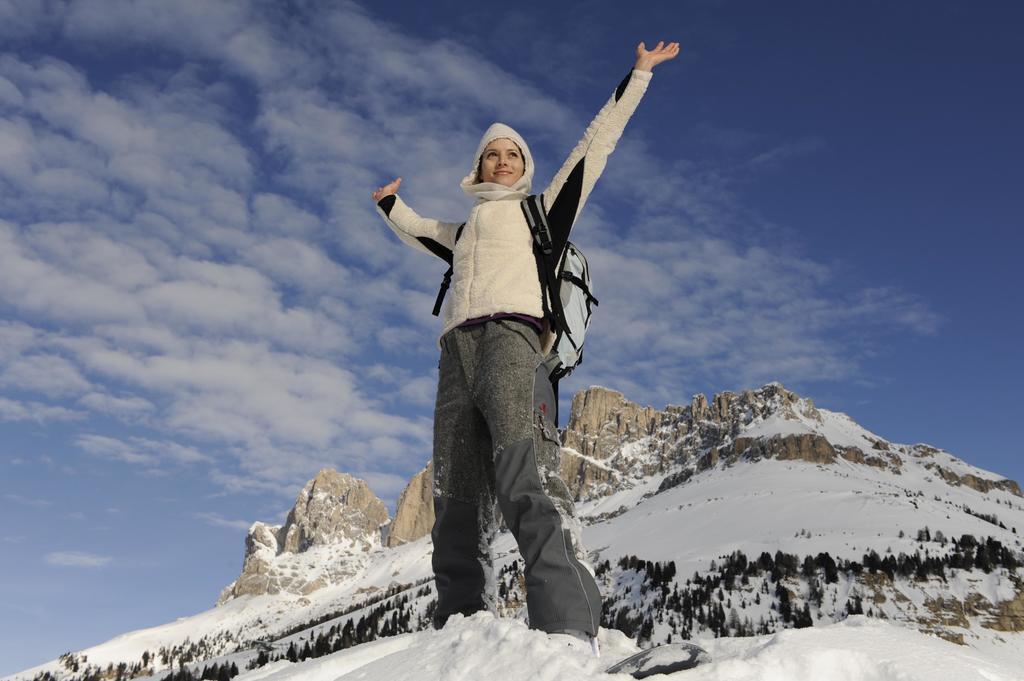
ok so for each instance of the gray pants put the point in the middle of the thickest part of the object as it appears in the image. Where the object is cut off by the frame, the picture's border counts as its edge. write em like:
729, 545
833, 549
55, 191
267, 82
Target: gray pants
494, 441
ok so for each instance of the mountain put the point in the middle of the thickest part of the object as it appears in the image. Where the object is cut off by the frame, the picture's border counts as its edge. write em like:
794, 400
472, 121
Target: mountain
335, 523
612, 443
749, 515
414, 514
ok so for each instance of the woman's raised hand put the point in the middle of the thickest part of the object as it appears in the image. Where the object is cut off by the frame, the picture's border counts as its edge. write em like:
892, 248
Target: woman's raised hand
387, 190
646, 59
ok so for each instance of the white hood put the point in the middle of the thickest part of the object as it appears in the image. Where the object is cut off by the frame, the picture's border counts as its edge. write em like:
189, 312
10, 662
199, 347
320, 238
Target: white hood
492, 191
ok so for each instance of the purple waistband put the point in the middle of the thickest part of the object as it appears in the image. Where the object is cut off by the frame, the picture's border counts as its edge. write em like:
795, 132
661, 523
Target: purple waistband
535, 322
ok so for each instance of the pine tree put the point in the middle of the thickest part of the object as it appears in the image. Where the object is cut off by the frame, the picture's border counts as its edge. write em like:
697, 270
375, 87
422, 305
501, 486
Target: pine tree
804, 618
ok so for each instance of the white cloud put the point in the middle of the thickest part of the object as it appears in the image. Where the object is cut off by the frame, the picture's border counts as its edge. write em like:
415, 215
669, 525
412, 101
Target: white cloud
216, 520
48, 374
76, 559
14, 410
20, 19
28, 501
138, 450
128, 408
15, 338
112, 448
295, 263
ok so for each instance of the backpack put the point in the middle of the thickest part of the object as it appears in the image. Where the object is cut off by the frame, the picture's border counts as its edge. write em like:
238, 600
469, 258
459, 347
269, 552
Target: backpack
564, 280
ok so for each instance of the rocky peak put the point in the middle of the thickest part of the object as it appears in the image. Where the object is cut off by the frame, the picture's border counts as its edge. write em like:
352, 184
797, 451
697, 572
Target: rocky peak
612, 442
414, 513
332, 506
741, 409
601, 419
334, 512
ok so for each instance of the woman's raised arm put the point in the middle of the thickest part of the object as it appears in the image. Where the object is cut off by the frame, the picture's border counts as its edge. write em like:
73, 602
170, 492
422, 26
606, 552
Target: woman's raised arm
423, 234
572, 184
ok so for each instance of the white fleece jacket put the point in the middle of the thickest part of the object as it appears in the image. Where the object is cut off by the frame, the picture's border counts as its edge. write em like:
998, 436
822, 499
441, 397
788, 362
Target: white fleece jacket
494, 269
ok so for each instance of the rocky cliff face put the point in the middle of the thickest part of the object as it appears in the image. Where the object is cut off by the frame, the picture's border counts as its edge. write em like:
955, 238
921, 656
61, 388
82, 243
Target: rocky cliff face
330, 507
335, 515
611, 443
414, 514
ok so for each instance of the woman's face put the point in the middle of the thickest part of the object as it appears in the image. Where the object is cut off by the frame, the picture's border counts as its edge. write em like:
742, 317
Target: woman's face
502, 162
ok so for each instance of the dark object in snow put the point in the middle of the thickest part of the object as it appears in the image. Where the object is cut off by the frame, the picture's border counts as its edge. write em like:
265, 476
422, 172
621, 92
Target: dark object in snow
663, 659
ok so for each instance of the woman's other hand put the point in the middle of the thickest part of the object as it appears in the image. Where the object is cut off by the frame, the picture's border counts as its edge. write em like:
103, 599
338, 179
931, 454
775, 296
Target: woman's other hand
646, 59
387, 190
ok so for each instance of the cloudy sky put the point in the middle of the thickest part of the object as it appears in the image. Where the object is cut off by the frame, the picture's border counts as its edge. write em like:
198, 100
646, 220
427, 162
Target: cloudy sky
199, 308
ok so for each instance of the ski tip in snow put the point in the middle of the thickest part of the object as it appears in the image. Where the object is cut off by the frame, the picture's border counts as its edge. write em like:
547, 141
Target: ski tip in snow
664, 659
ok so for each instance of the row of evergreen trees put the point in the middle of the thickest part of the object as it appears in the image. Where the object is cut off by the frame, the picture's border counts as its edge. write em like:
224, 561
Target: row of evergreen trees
987, 517
967, 553
213, 672
705, 602
385, 595
388, 618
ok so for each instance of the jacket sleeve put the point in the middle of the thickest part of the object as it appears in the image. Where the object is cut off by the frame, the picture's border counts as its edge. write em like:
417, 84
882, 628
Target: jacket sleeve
568, 191
425, 234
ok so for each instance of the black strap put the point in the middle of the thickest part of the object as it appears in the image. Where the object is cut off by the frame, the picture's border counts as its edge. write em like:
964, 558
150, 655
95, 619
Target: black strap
537, 220
569, 276
554, 387
448, 255
444, 290
547, 260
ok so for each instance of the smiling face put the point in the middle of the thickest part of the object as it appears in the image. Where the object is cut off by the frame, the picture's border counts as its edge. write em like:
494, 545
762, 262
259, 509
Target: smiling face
501, 162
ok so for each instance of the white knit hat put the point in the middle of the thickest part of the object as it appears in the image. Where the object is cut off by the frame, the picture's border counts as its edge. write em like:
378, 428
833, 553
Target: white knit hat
491, 191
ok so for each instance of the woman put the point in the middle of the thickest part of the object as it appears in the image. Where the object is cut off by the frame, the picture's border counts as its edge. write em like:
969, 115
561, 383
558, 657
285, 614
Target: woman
493, 434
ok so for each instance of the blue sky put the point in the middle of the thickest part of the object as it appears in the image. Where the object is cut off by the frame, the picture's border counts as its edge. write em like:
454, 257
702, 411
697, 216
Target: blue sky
199, 308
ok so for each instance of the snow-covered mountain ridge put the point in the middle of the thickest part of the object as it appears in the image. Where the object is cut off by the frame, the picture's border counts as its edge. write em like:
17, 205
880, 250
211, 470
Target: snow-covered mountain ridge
612, 443
710, 488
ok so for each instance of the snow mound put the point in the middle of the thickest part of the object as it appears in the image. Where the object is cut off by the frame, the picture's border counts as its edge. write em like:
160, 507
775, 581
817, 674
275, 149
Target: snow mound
483, 647
858, 649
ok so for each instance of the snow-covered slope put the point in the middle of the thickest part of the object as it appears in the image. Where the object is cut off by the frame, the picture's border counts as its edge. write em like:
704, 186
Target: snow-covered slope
761, 473
859, 649
842, 508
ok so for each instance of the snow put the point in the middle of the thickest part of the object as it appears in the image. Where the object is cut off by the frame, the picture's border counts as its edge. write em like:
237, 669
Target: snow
603, 465
847, 508
838, 428
469, 649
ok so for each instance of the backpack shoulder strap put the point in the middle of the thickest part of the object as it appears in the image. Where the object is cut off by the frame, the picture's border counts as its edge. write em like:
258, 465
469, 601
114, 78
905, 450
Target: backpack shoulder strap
547, 258
448, 255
